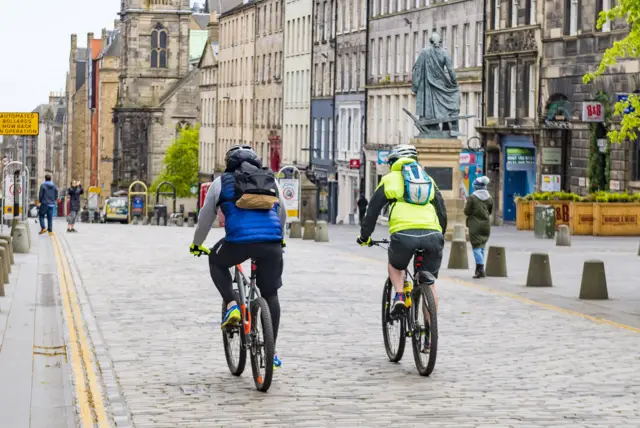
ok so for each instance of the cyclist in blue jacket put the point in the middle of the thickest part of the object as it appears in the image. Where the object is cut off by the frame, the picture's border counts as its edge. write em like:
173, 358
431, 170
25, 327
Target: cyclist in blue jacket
250, 234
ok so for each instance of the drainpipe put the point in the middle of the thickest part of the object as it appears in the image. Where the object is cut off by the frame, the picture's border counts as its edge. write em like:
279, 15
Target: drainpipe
254, 103
363, 157
483, 83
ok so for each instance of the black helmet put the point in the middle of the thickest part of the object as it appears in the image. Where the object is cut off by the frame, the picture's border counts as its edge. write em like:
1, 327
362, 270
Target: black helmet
237, 147
239, 154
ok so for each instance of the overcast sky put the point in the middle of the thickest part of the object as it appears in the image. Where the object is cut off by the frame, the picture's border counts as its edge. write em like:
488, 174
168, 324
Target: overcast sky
35, 37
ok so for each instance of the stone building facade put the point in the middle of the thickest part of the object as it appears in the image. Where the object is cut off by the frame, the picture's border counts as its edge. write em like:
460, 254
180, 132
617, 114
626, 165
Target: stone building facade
158, 94
208, 109
397, 34
77, 104
268, 65
350, 117
236, 82
511, 129
322, 135
297, 82
574, 46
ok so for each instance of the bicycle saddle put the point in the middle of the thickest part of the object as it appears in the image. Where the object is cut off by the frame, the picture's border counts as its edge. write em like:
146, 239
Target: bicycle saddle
424, 277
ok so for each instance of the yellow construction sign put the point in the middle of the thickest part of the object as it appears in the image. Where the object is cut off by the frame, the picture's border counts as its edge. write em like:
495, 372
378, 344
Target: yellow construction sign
19, 123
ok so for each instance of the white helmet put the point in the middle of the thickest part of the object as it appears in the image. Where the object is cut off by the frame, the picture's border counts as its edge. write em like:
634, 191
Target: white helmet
402, 151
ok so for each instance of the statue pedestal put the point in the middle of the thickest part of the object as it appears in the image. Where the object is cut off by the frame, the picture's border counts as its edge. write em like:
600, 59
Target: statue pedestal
441, 159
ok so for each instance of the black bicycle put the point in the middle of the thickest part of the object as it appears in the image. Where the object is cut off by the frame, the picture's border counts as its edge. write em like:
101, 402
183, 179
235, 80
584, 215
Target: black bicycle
421, 305
254, 333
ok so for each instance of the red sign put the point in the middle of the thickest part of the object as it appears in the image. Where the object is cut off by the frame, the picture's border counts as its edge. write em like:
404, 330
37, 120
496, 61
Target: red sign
204, 188
592, 112
274, 152
354, 164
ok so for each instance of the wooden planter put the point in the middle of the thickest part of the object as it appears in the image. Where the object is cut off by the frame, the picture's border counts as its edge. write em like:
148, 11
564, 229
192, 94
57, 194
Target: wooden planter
582, 218
616, 219
524, 215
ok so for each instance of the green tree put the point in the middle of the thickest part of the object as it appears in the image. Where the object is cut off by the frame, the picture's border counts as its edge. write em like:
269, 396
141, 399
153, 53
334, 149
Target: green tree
629, 47
180, 164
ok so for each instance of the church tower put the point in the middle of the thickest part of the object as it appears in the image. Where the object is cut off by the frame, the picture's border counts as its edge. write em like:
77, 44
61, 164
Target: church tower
155, 53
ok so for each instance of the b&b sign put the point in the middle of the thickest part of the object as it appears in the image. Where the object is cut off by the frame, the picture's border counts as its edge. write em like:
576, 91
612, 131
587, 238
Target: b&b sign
592, 112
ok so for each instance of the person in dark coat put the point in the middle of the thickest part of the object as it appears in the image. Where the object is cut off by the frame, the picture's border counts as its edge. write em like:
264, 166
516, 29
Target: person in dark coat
362, 207
74, 193
48, 197
478, 210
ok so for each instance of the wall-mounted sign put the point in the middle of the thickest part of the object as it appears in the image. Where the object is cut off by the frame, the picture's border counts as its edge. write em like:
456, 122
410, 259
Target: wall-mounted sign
443, 176
592, 111
552, 155
520, 158
354, 163
550, 183
603, 143
383, 156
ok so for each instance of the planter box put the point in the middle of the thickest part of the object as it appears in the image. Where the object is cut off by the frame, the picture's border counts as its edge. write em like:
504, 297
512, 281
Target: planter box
582, 218
616, 219
524, 215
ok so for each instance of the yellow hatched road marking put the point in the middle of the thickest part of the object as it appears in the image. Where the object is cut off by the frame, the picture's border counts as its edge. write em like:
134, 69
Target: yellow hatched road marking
521, 299
88, 393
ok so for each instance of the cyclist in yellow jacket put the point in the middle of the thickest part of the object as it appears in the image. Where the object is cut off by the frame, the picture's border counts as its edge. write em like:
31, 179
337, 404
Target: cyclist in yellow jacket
417, 218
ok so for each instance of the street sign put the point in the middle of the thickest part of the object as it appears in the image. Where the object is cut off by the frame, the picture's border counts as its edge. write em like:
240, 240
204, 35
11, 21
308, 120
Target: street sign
354, 164
290, 189
383, 156
19, 124
94, 193
194, 190
592, 112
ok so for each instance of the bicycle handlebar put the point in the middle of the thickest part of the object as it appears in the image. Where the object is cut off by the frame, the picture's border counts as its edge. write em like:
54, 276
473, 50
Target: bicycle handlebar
382, 241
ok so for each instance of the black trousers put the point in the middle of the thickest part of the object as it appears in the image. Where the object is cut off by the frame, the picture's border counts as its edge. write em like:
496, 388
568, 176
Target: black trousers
268, 257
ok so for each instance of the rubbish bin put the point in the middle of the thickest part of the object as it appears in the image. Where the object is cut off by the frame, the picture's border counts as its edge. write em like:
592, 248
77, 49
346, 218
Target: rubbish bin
161, 211
544, 222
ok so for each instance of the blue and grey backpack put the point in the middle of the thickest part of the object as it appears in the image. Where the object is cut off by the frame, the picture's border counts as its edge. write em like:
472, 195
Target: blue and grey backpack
417, 184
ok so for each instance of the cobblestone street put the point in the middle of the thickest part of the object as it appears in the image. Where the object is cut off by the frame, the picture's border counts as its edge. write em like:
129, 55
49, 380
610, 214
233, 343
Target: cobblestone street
153, 317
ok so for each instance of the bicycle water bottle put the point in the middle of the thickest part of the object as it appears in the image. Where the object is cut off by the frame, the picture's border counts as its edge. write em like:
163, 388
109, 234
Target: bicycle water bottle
408, 288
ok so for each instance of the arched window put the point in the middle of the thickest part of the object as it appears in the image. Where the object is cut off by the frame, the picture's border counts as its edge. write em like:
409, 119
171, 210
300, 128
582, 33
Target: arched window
180, 126
159, 47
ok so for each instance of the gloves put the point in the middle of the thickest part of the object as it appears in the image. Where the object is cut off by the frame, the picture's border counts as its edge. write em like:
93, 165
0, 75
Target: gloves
284, 244
364, 242
199, 250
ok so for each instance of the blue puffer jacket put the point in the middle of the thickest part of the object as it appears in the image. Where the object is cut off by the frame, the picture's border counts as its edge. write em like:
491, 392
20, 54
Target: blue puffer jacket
245, 226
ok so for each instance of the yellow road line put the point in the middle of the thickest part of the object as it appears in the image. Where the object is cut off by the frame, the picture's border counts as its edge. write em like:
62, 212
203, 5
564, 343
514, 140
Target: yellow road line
521, 299
87, 390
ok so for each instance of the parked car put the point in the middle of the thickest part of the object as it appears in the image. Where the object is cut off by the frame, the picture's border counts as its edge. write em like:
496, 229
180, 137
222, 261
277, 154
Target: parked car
116, 208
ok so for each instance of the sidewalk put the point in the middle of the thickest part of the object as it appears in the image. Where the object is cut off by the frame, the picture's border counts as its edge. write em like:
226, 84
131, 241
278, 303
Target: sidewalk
35, 390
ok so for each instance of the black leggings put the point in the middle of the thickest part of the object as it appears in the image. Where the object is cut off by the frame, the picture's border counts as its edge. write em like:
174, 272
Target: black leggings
274, 308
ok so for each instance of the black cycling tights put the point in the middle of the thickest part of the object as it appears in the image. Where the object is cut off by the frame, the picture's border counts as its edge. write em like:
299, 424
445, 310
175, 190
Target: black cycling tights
274, 308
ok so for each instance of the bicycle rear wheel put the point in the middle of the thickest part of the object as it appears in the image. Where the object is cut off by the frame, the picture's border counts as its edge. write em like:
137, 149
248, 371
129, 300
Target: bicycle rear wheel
425, 327
393, 330
262, 344
234, 341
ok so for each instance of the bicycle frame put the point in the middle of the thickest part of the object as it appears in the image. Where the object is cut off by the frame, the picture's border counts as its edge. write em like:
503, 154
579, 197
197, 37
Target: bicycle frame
247, 292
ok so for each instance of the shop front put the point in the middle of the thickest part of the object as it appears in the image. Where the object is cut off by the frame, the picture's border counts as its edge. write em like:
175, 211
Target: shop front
519, 154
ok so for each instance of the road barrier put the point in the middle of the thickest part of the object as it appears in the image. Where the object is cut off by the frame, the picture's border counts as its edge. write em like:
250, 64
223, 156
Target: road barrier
2, 278
8, 240
539, 274
296, 230
191, 222
309, 230
458, 258
5, 245
135, 220
496, 264
4, 261
322, 232
594, 281
563, 239
20, 239
145, 220
180, 221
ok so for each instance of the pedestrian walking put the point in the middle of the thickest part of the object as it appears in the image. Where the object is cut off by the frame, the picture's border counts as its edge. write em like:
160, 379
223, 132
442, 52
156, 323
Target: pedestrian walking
478, 210
362, 207
48, 197
74, 193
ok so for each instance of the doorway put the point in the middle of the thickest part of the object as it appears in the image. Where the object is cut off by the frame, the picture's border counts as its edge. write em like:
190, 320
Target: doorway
515, 185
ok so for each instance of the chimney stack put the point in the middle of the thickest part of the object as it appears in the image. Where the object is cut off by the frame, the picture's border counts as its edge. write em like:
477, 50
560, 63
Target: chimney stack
213, 27
104, 39
74, 46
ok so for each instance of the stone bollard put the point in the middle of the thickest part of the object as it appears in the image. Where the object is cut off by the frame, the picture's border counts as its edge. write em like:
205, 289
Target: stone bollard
134, 220
4, 261
296, 230
20, 240
459, 233
191, 222
496, 264
458, 258
539, 271
8, 240
14, 222
2, 275
5, 245
145, 220
639, 249
594, 281
309, 230
322, 232
153, 221
563, 238
180, 221
161, 221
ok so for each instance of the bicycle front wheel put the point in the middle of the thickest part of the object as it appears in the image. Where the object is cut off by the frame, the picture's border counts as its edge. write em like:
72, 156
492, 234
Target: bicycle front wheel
393, 329
425, 329
234, 341
262, 344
